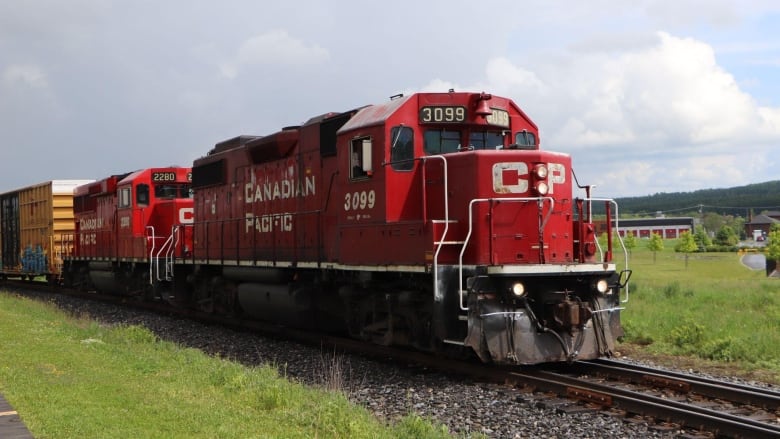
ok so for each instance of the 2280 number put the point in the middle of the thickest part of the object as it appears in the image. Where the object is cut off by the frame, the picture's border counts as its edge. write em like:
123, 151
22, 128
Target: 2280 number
164, 176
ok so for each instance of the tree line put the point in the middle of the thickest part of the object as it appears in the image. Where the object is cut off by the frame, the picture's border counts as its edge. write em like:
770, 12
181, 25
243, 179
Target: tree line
737, 201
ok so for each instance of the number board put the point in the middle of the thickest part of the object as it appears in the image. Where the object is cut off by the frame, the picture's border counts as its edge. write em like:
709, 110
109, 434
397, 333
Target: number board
498, 117
163, 176
443, 114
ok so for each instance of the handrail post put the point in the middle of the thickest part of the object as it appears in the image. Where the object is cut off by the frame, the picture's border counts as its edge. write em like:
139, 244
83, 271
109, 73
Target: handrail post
151, 254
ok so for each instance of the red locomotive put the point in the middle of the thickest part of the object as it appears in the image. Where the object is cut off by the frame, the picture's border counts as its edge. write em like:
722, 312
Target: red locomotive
129, 229
432, 220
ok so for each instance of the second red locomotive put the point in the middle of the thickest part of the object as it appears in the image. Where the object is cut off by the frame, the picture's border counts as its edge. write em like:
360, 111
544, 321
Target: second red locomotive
432, 220
129, 228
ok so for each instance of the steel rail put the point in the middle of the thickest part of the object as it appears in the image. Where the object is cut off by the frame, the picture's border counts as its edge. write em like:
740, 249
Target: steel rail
685, 414
684, 383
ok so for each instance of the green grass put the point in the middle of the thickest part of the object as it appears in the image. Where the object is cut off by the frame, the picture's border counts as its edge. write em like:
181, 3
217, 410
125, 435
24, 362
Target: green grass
74, 378
713, 309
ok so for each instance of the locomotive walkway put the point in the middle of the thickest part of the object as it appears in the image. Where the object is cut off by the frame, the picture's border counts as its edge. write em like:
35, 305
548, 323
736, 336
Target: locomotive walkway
11, 425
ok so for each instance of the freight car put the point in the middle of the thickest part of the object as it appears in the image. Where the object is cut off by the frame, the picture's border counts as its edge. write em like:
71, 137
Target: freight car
432, 220
33, 221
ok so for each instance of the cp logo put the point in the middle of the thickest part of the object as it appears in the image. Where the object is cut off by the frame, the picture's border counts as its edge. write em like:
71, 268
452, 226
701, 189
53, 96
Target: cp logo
513, 177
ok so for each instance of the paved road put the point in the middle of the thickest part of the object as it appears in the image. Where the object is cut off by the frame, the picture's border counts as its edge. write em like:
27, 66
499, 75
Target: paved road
754, 261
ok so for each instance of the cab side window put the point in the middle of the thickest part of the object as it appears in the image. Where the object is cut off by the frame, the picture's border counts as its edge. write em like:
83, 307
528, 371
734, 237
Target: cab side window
402, 148
124, 197
142, 195
360, 158
525, 140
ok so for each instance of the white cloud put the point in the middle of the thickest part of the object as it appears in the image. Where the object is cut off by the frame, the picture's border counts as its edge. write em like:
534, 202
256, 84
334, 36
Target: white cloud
630, 173
503, 75
715, 168
673, 92
274, 48
24, 74
664, 115
683, 88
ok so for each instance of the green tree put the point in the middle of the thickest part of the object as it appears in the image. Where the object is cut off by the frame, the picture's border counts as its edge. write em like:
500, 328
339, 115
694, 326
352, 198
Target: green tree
738, 224
655, 244
686, 244
701, 237
629, 241
773, 243
726, 236
713, 221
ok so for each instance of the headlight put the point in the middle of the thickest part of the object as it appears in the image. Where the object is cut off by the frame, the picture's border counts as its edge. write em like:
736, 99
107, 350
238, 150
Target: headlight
602, 286
541, 188
518, 289
540, 171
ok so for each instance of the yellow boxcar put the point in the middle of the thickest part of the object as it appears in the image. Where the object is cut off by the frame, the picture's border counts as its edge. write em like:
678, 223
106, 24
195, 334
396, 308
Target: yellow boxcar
36, 224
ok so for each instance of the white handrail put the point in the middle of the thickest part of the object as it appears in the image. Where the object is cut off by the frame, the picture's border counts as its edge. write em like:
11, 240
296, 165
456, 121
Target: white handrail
151, 255
164, 248
171, 250
620, 238
446, 225
539, 200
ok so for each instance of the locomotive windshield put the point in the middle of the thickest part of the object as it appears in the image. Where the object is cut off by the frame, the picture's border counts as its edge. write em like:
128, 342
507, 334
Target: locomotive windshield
447, 141
486, 140
441, 141
171, 191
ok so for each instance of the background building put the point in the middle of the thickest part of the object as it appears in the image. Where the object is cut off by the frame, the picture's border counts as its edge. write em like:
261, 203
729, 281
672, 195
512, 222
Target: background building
760, 224
668, 228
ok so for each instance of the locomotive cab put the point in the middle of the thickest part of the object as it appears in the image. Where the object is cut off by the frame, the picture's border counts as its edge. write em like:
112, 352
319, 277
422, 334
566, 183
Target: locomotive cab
152, 207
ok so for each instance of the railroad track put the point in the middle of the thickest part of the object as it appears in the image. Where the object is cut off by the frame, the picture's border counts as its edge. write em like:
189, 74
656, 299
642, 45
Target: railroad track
722, 408
675, 400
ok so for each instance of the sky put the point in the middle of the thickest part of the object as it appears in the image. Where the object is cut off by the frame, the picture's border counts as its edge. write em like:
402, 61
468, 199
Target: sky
647, 96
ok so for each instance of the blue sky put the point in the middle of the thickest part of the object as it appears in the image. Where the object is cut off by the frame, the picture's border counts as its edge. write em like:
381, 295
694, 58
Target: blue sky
647, 96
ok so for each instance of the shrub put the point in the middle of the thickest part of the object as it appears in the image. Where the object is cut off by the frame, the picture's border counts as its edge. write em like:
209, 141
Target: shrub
671, 290
722, 349
722, 248
688, 336
633, 334
773, 245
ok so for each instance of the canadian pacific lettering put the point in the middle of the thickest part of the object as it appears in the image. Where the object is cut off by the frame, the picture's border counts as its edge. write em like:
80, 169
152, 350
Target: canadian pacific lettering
89, 225
279, 189
276, 222
271, 188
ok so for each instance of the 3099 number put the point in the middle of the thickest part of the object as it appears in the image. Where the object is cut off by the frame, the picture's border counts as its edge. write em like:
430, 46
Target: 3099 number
498, 117
359, 200
443, 114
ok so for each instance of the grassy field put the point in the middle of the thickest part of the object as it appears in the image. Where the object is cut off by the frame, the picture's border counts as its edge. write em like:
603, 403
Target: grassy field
73, 378
714, 308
